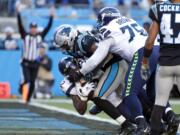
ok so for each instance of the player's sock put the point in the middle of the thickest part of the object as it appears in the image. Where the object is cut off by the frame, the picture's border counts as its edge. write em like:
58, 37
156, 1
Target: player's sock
156, 119
134, 105
124, 110
107, 107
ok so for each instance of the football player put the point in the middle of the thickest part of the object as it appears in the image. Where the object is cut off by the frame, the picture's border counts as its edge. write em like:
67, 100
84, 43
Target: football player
166, 22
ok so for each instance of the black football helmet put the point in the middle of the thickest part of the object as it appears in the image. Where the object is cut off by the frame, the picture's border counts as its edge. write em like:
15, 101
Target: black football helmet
66, 64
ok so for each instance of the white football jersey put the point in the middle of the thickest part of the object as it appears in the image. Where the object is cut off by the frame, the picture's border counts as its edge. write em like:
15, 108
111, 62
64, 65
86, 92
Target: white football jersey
128, 36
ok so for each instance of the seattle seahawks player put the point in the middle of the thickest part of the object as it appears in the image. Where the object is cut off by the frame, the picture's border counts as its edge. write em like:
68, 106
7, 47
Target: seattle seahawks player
124, 37
166, 22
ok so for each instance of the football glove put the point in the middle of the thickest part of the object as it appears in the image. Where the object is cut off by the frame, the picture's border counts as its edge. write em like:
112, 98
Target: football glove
84, 91
145, 72
67, 87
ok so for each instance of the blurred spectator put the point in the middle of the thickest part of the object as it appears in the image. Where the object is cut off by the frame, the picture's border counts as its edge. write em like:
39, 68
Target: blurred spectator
121, 2
97, 5
44, 3
146, 26
40, 3
9, 42
145, 4
23, 4
125, 7
78, 1
72, 1
45, 78
11, 7
64, 2
51, 2
136, 2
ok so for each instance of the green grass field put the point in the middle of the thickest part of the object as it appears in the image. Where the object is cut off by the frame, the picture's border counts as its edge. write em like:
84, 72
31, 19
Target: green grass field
69, 106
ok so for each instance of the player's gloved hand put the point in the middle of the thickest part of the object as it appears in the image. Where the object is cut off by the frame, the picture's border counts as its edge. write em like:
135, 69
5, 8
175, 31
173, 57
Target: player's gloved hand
67, 86
74, 75
84, 91
145, 71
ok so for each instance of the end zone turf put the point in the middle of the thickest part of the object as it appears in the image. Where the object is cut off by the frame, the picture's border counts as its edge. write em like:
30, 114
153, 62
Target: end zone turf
17, 118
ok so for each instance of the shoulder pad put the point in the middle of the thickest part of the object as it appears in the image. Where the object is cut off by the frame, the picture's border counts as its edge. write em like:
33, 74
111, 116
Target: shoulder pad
85, 41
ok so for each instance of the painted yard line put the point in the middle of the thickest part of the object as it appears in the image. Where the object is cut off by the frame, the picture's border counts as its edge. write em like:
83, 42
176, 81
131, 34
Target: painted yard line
172, 101
16, 118
70, 101
65, 111
175, 102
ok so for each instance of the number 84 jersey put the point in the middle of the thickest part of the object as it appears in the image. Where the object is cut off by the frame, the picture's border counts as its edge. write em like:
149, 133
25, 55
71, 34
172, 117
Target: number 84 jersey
167, 15
128, 36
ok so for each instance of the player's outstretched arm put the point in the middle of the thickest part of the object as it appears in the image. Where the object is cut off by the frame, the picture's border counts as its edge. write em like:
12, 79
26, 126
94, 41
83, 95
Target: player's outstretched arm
79, 105
99, 55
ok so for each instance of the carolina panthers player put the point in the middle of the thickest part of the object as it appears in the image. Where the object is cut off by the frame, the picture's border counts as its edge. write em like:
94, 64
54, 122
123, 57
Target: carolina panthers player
124, 37
166, 22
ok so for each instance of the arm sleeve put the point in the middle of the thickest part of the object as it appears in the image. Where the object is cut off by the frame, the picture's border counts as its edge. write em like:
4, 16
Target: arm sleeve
20, 26
47, 27
98, 56
153, 13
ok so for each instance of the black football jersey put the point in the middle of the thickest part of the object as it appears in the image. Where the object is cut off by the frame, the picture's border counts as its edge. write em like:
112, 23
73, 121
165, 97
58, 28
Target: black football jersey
83, 43
167, 15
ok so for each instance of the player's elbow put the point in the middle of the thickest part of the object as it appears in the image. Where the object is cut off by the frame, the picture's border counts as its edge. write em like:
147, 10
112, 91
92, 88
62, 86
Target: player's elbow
81, 109
81, 112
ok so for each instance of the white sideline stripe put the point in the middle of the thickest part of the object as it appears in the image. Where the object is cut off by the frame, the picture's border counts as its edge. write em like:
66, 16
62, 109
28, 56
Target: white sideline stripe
52, 108
15, 118
175, 102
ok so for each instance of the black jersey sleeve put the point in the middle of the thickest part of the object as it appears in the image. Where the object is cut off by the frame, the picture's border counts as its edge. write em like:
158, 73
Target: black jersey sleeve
153, 13
85, 44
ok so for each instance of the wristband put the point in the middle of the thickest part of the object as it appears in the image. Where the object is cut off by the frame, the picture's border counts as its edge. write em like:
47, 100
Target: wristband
147, 52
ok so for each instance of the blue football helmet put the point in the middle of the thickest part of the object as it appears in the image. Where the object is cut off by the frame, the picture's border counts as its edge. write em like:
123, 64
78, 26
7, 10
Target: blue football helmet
107, 14
66, 64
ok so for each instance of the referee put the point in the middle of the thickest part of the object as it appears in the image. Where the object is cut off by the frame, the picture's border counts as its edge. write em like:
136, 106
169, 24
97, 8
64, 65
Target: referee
31, 41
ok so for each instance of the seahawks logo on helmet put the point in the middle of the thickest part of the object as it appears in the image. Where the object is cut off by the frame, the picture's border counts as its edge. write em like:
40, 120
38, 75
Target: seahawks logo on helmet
107, 14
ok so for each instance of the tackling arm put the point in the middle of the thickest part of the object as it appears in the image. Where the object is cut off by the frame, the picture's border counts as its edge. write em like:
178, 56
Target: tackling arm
98, 56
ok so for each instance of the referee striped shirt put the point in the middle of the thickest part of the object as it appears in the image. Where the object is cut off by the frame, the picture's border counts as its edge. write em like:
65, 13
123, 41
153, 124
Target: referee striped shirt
30, 48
